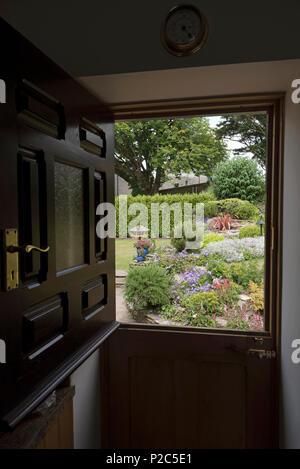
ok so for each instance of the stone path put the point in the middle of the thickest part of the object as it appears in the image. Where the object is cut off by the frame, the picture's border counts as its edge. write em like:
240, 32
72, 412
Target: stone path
122, 314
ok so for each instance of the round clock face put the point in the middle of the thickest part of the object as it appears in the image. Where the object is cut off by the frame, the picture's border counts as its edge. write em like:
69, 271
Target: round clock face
184, 30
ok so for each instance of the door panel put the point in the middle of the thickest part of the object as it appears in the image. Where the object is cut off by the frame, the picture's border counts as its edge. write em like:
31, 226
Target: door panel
56, 167
170, 389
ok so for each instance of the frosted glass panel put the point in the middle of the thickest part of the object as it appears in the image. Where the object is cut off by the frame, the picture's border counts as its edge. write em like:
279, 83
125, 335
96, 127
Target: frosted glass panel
69, 216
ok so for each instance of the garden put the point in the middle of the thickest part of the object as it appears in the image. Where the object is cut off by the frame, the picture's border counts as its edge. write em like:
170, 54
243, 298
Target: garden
221, 283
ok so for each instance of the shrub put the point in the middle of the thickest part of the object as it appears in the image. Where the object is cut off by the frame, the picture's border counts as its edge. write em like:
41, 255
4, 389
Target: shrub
212, 237
147, 285
239, 177
174, 313
251, 231
203, 303
218, 268
211, 209
239, 209
257, 295
244, 272
221, 223
178, 244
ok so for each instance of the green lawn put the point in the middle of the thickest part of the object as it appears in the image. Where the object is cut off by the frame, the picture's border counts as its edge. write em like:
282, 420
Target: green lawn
125, 251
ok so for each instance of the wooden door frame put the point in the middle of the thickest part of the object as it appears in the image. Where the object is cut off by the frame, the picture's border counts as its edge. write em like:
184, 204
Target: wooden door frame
273, 104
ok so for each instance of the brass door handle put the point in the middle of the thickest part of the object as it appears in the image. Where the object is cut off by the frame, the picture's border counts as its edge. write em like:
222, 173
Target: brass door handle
27, 249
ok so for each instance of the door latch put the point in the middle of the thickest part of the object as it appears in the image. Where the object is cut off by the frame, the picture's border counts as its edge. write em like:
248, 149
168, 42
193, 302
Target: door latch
267, 354
11, 260
11, 257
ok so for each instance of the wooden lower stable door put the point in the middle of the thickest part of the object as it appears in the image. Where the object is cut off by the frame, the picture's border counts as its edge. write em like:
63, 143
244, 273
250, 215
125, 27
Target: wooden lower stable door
186, 390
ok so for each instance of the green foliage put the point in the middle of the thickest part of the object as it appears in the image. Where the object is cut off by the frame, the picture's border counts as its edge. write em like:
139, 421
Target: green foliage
187, 318
212, 238
203, 303
240, 209
218, 267
248, 129
211, 209
147, 285
169, 199
257, 295
240, 178
238, 322
178, 244
174, 263
201, 320
250, 231
146, 152
227, 291
244, 272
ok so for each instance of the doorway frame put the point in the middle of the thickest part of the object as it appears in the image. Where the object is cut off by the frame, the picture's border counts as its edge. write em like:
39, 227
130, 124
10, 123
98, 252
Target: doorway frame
273, 104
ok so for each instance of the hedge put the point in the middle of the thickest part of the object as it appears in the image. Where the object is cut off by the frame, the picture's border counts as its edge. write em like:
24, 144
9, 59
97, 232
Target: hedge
239, 209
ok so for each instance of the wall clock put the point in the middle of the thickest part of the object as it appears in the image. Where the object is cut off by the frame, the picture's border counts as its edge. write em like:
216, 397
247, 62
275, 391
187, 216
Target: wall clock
184, 30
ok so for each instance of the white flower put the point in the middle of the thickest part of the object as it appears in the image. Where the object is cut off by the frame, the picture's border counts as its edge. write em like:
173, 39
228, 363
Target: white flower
233, 250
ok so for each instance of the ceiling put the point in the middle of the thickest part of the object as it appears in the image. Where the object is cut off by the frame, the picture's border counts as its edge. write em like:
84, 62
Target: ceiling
94, 37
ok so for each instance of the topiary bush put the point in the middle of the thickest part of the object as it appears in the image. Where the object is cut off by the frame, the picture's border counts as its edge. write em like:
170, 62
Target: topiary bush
239, 178
146, 286
250, 231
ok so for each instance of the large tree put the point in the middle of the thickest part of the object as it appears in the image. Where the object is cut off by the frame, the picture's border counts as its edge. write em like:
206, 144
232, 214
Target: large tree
147, 152
250, 130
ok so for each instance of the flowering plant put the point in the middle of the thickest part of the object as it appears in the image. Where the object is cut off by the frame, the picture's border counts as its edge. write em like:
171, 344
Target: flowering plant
143, 244
226, 290
236, 250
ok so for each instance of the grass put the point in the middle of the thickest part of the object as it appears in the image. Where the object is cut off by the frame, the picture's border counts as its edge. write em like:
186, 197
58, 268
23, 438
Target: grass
125, 251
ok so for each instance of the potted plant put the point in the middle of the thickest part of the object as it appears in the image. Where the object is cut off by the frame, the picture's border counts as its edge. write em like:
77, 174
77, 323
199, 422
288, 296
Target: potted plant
143, 247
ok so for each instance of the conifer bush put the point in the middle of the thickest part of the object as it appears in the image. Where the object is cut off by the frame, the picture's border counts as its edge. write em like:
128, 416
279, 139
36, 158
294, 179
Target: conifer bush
147, 286
239, 178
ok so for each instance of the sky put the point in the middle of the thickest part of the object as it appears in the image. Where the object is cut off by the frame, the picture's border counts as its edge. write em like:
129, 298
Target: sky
214, 120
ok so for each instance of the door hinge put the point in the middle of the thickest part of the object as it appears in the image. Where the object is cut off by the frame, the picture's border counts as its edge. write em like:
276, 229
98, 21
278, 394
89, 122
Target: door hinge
267, 354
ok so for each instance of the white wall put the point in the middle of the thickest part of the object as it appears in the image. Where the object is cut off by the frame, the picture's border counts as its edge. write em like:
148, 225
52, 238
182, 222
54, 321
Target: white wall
86, 404
239, 79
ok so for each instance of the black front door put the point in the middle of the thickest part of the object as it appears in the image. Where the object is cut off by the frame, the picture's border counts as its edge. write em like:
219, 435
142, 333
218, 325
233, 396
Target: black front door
57, 278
